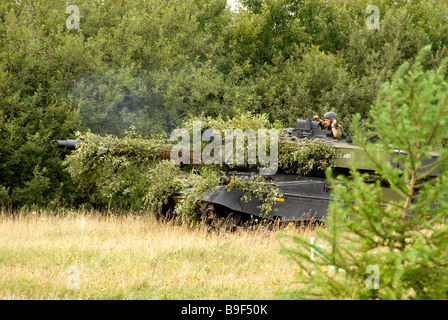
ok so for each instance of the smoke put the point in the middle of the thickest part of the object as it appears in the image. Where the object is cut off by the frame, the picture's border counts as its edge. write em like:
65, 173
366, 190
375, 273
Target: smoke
114, 101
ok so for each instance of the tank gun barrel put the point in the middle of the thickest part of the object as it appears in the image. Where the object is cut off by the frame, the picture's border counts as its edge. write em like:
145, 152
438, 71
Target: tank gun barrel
67, 144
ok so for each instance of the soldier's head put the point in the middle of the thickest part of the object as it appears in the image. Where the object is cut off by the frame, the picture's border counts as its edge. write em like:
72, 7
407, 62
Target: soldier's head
329, 117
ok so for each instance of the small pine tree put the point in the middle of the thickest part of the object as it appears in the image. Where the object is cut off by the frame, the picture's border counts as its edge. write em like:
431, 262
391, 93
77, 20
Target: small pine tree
379, 249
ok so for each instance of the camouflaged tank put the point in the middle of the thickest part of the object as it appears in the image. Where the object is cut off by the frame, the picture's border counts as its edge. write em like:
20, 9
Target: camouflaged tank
304, 198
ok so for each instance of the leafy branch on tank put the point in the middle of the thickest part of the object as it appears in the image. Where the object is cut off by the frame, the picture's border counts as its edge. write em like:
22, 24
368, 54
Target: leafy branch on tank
303, 156
259, 186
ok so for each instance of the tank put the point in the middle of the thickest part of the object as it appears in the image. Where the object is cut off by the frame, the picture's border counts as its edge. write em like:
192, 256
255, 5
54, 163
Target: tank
304, 198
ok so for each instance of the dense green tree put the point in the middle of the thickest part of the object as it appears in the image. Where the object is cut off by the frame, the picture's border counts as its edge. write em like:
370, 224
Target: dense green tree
39, 60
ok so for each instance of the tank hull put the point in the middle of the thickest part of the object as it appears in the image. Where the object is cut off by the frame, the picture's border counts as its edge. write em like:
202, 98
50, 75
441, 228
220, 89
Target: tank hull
303, 199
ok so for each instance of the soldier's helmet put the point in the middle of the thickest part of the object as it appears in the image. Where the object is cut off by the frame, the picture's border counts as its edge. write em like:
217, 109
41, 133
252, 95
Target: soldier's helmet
330, 115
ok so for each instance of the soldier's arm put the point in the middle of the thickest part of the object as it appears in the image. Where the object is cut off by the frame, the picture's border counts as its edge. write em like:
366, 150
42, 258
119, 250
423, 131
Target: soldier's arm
321, 122
336, 130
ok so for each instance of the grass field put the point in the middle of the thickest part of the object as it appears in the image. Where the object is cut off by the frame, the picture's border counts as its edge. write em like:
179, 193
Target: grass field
89, 256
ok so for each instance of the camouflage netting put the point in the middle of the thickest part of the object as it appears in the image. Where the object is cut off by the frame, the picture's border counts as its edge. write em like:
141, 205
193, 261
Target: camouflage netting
135, 173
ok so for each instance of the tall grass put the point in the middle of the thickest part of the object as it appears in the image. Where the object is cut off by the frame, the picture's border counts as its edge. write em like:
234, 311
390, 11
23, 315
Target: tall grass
85, 255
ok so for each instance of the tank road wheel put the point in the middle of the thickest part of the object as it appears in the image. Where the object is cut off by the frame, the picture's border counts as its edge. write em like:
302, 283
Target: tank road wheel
231, 221
208, 213
219, 218
167, 211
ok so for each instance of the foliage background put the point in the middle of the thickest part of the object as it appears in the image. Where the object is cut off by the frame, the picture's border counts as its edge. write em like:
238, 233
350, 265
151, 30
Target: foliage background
152, 63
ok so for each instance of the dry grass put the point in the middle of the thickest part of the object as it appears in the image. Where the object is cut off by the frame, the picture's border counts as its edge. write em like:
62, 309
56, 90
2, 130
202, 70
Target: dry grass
135, 257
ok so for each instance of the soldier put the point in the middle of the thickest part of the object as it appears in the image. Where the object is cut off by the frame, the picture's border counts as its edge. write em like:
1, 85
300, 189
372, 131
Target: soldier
330, 123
